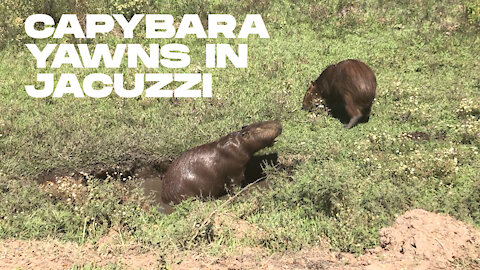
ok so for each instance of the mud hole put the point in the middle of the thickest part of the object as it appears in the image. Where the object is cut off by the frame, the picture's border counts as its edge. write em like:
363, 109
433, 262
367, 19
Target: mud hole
72, 186
417, 240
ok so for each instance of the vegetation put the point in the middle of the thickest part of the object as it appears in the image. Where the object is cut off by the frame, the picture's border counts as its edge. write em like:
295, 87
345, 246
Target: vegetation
420, 148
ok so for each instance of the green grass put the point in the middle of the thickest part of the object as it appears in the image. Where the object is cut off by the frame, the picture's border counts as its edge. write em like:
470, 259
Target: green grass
347, 184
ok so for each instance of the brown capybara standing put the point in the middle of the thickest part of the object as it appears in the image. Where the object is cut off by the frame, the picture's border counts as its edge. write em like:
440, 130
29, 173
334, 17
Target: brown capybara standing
211, 169
347, 88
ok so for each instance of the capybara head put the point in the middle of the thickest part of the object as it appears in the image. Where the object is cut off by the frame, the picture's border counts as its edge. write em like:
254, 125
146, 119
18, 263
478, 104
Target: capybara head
310, 97
260, 135
318, 89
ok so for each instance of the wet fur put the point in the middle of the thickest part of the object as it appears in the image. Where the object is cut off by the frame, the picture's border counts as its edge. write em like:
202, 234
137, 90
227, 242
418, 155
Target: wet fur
210, 170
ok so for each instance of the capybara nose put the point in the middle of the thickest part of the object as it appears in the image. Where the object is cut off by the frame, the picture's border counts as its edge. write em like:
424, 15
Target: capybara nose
276, 126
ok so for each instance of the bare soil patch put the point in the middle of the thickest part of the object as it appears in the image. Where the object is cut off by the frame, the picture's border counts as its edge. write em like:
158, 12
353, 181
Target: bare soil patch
417, 240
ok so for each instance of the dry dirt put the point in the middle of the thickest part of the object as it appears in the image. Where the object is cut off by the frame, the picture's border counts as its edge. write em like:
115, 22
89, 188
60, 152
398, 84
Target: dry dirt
417, 240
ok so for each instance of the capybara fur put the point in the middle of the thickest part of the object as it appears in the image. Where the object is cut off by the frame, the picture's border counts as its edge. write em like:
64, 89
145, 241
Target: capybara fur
348, 89
212, 169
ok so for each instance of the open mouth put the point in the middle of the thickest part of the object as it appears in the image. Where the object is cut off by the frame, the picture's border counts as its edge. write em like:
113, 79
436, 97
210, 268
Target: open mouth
272, 143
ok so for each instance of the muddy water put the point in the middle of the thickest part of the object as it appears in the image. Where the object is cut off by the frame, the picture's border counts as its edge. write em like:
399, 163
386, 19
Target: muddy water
151, 179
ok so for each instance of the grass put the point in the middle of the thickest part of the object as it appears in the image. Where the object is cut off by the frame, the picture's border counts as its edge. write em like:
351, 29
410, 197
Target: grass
341, 185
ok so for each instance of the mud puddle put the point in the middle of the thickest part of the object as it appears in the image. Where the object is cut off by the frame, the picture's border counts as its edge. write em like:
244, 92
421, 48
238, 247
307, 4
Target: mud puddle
71, 186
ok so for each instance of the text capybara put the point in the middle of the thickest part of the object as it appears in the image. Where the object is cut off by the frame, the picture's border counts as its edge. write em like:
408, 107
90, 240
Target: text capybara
212, 169
348, 87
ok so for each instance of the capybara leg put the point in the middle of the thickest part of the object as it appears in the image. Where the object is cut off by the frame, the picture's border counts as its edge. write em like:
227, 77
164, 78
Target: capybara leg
237, 179
352, 111
353, 121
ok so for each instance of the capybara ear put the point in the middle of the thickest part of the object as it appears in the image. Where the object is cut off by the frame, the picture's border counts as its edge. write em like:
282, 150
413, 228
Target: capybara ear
243, 127
311, 83
244, 131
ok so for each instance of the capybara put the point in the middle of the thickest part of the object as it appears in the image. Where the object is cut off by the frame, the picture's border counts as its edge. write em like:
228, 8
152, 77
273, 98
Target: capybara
212, 169
347, 88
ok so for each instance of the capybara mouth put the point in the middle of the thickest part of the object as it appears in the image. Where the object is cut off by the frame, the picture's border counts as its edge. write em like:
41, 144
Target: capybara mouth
273, 129
272, 143
270, 130
264, 133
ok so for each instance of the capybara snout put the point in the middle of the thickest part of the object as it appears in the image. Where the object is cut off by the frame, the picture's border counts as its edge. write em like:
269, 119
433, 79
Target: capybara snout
348, 89
263, 134
310, 97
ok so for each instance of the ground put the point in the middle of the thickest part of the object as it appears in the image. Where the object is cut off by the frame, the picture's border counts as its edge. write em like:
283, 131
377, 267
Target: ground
328, 189
417, 240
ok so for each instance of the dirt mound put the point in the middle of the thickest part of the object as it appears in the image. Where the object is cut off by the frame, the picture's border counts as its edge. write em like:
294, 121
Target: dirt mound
417, 240
421, 239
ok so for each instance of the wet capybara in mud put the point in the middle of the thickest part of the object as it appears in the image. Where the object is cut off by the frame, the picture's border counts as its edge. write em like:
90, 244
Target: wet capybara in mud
348, 89
211, 169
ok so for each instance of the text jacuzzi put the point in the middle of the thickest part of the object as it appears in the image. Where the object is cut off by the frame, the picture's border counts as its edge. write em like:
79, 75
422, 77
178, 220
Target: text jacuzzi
157, 26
